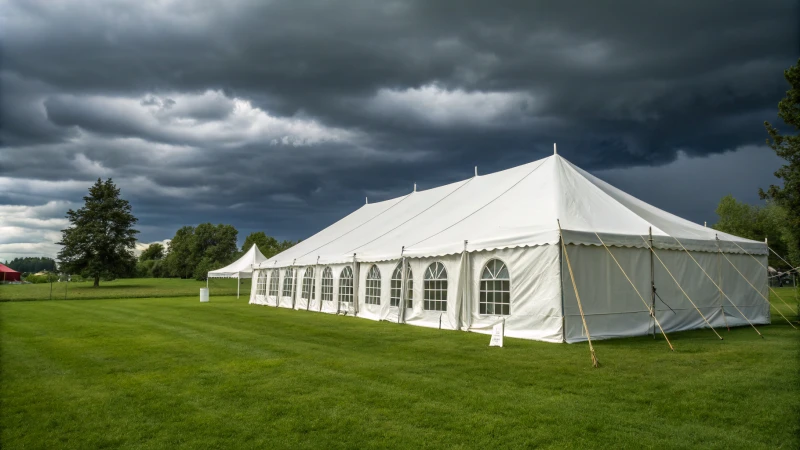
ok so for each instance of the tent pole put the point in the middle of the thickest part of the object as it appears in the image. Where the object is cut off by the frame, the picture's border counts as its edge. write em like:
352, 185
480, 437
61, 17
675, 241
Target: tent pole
279, 293
401, 307
238, 283
644, 302
685, 294
769, 288
320, 292
462, 283
717, 286
561, 280
466, 305
652, 283
761, 293
719, 279
355, 286
294, 283
313, 290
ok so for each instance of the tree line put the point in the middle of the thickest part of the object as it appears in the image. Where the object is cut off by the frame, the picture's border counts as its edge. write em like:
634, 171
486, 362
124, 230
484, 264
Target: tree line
194, 251
32, 264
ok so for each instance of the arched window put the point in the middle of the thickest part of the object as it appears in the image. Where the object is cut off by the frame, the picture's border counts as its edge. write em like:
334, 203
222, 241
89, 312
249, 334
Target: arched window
273, 282
346, 285
435, 287
288, 282
396, 286
261, 284
327, 285
495, 289
373, 293
309, 285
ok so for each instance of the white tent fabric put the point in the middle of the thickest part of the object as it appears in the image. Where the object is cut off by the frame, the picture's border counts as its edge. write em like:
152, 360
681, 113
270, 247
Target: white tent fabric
241, 268
513, 216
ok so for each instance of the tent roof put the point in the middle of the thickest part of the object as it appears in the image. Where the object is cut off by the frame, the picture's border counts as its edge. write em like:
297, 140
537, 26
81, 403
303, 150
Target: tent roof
5, 268
242, 267
511, 208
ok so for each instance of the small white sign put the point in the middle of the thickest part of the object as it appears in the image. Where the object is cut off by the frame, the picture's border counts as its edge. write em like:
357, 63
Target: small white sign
497, 335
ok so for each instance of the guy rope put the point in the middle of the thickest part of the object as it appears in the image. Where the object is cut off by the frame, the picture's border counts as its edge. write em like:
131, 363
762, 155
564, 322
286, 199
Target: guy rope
719, 288
595, 362
652, 310
681, 288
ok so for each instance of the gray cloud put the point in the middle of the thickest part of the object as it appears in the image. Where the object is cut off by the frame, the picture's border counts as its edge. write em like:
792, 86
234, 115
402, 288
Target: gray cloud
284, 115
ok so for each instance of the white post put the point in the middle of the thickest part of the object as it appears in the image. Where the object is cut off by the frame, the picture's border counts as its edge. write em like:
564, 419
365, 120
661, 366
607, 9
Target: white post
555, 151
356, 279
401, 307
238, 283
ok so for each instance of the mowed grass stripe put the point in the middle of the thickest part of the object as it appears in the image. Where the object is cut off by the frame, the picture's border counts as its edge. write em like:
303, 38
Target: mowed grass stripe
172, 372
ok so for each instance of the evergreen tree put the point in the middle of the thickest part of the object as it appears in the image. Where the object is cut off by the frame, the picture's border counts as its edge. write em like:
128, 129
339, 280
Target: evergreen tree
788, 147
101, 238
32, 264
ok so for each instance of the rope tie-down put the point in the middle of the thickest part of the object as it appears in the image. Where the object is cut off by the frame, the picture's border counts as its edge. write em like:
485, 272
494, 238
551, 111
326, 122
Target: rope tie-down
683, 291
717, 286
595, 362
652, 312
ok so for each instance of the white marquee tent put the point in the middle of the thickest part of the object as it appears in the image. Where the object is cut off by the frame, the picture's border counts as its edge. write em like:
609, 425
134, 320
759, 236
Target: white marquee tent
488, 250
241, 268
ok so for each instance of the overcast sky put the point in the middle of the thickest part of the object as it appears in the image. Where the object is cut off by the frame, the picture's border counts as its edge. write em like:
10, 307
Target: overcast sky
282, 116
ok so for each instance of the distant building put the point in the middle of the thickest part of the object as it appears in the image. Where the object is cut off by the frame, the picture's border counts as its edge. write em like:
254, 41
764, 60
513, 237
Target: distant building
8, 274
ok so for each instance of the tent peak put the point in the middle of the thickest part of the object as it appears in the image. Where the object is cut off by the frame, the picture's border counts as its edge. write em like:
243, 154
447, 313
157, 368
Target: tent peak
555, 150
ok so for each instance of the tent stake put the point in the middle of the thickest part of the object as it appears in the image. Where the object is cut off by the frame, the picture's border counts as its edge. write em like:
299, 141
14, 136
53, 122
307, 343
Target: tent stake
595, 362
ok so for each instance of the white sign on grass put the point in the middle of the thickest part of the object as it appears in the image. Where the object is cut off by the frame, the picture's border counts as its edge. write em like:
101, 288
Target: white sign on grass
497, 336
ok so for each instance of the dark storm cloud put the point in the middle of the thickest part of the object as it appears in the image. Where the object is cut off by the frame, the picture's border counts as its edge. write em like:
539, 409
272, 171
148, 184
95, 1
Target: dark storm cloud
258, 113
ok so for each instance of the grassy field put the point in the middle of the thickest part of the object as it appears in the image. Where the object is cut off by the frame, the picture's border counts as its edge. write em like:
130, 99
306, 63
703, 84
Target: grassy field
123, 288
175, 373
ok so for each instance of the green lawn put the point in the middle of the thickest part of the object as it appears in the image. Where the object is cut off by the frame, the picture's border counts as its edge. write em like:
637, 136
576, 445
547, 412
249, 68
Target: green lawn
123, 288
172, 372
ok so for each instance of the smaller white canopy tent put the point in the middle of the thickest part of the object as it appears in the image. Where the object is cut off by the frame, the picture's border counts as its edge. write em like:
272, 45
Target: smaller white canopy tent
241, 268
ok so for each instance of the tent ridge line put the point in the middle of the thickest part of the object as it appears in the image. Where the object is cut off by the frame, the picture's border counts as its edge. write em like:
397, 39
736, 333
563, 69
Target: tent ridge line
405, 197
486, 204
466, 182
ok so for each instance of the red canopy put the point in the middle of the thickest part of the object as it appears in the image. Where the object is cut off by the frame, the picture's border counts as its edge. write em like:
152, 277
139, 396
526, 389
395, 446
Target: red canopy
8, 274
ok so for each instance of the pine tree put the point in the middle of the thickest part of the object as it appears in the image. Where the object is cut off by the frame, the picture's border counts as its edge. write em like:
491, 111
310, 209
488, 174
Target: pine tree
788, 147
101, 238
